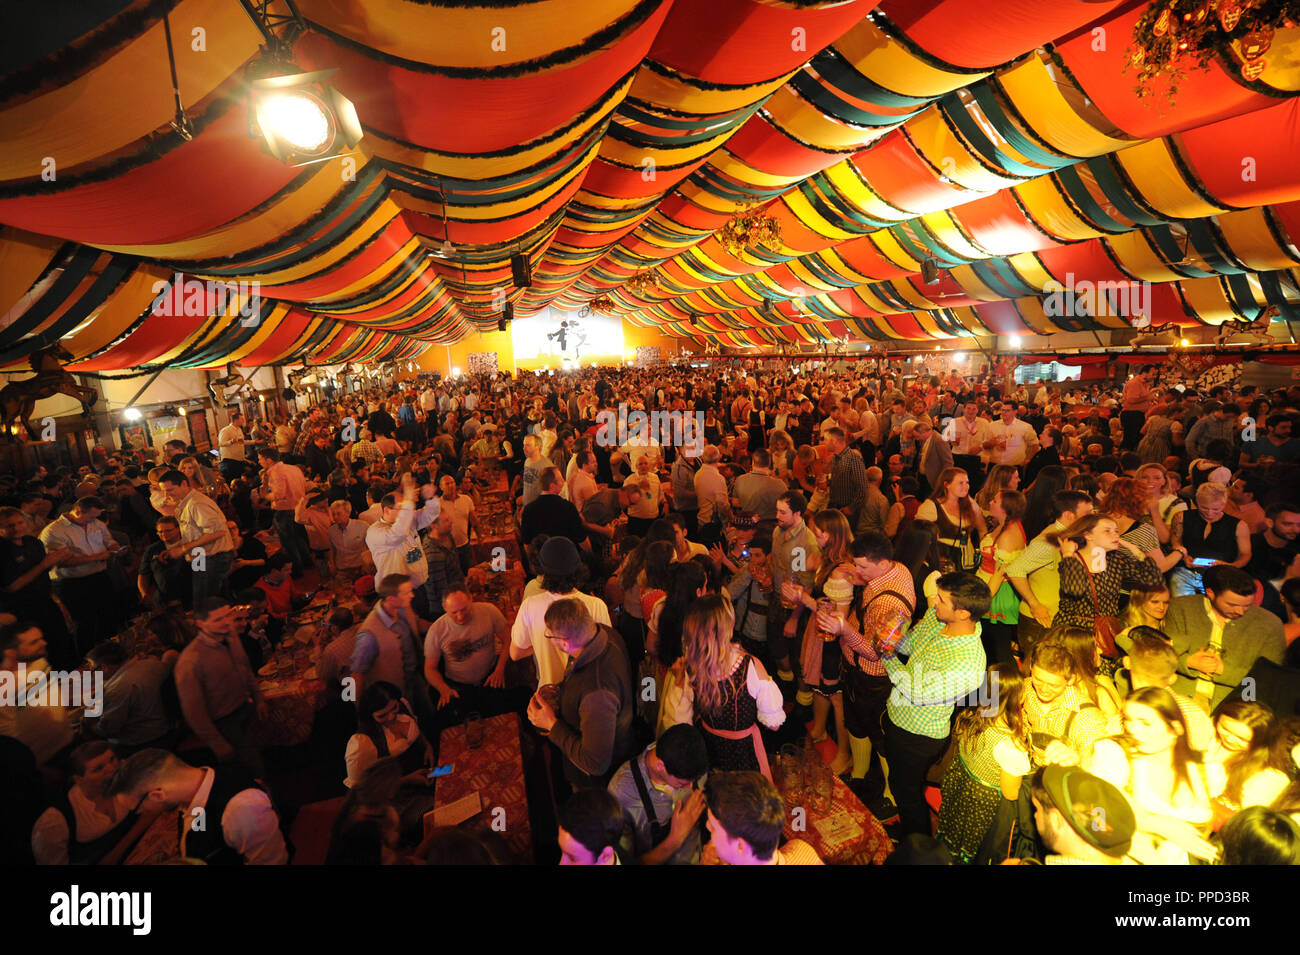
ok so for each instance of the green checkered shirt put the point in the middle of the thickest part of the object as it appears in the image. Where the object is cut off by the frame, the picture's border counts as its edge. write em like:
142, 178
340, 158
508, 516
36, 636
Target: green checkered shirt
940, 671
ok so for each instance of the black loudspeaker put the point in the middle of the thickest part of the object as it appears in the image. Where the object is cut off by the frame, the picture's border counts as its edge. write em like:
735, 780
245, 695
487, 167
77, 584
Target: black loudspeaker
930, 272
694, 319
521, 270
501, 324
288, 394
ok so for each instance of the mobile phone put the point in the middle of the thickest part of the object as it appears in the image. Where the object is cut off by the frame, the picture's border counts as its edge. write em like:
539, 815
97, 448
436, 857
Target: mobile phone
443, 770
1203, 562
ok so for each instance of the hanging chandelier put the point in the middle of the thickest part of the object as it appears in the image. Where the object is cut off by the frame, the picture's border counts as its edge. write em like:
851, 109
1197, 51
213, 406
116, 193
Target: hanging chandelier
1173, 34
644, 282
750, 229
600, 305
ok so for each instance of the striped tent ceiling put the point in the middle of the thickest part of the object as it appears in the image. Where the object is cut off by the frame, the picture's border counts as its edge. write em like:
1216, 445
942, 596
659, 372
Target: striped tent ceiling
611, 140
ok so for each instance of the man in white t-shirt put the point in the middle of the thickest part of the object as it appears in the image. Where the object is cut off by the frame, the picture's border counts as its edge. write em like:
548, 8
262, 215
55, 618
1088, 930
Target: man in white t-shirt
230, 442
560, 564
1011, 441
461, 508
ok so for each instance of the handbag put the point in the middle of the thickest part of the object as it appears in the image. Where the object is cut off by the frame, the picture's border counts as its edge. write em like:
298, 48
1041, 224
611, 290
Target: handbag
1104, 627
968, 554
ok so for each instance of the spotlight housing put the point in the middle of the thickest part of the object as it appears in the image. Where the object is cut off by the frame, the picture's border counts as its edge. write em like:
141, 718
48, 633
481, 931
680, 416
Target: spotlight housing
521, 270
301, 118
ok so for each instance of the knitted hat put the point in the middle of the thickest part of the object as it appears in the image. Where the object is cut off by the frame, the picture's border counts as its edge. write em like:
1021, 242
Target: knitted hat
559, 557
839, 590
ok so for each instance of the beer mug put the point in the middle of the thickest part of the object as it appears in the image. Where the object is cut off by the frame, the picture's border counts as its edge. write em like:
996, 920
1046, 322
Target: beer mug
826, 605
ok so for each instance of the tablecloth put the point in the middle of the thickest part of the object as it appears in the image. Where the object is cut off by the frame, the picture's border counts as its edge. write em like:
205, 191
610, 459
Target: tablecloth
496, 772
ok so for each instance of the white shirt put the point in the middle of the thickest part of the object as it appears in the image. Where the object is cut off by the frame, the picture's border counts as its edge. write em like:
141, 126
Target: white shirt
50, 836
230, 441
1020, 437
680, 700
248, 823
396, 547
967, 438
361, 752
199, 516
62, 533
460, 509
530, 631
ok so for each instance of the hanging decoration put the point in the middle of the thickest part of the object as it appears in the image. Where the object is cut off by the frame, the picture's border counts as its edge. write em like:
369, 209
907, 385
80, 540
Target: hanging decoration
749, 230
600, 305
644, 282
1173, 35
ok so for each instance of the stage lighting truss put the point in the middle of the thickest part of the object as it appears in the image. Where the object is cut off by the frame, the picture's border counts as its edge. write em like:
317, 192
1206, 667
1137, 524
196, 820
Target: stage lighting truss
302, 119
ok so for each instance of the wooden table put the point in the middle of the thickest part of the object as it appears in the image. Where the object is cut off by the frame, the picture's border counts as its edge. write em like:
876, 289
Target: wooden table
496, 772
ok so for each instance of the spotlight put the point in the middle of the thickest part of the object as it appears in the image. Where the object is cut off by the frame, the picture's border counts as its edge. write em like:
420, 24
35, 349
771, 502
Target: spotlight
930, 272
768, 309
443, 251
302, 119
181, 411
693, 319
132, 414
1015, 341
521, 270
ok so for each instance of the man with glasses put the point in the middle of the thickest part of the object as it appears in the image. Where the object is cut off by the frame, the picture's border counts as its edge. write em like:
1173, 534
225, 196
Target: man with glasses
163, 579
589, 715
1063, 724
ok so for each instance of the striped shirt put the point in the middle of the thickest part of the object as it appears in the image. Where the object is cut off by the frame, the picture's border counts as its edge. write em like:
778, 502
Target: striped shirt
940, 670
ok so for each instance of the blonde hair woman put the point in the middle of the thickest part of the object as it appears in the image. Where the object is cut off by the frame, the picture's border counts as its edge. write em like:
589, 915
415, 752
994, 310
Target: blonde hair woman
727, 688
1206, 533
1147, 607
1163, 777
192, 470
820, 657
1002, 477
781, 446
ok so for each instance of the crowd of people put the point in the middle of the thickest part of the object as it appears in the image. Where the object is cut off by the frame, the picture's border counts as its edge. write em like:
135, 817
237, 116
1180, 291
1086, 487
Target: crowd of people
1001, 610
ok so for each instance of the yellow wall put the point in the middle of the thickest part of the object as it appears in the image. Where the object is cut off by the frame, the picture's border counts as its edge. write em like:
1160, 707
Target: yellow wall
443, 358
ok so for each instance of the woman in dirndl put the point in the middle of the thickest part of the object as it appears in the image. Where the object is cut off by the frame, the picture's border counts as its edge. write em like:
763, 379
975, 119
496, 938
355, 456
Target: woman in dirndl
992, 756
